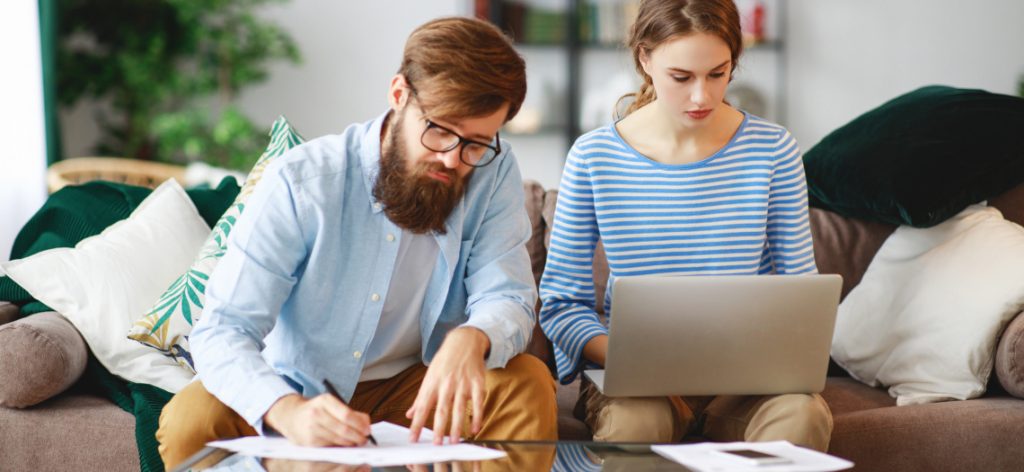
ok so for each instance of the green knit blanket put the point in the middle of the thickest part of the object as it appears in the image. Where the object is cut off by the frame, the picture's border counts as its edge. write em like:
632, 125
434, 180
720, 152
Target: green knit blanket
71, 215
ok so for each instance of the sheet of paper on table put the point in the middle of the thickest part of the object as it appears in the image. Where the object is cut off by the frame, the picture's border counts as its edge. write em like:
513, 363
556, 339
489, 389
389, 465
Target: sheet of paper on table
701, 457
393, 448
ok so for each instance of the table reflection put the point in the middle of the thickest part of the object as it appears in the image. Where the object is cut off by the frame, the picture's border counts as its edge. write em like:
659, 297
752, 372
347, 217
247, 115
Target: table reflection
522, 456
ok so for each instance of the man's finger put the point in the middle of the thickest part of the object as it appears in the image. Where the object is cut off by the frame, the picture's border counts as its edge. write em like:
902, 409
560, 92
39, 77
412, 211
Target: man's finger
345, 415
420, 409
478, 406
442, 412
458, 412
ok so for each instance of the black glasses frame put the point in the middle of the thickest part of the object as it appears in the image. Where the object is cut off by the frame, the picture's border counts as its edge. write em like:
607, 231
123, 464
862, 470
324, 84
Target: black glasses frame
461, 143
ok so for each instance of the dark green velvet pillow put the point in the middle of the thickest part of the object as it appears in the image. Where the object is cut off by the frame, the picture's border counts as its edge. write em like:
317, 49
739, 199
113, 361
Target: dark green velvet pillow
921, 157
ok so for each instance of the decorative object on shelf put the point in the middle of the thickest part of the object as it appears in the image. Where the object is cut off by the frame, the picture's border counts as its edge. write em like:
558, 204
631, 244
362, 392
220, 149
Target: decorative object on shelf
169, 71
753, 17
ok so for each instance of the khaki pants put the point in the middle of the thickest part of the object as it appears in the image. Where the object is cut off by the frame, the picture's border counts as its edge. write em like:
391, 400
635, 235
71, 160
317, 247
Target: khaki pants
519, 404
801, 419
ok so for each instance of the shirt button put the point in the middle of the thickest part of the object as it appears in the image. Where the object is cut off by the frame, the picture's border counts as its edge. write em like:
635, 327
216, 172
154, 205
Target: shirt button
390, 237
357, 354
375, 297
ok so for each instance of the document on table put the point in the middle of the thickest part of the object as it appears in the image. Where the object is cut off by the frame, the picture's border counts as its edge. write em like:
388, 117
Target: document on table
701, 457
393, 448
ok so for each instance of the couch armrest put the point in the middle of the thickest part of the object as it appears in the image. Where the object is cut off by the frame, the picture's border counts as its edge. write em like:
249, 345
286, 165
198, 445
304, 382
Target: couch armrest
40, 356
1010, 357
8, 312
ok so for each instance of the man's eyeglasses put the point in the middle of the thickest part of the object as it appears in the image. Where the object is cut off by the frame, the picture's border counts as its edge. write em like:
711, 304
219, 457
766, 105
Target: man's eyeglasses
437, 138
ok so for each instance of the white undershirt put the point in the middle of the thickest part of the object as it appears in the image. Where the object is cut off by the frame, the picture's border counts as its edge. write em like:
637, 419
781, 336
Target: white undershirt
396, 343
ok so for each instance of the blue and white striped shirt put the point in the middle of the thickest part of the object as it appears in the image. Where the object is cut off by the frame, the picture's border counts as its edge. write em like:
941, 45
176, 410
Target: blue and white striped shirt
743, 210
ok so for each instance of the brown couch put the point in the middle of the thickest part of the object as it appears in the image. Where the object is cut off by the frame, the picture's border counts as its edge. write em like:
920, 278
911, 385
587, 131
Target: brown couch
77, 430
980, 434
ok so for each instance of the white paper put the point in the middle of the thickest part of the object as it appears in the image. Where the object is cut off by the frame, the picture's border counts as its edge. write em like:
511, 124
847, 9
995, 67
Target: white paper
393, 448
701, 458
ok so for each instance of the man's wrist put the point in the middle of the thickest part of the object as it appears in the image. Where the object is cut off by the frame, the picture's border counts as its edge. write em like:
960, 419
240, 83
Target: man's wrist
478, 339
279, 411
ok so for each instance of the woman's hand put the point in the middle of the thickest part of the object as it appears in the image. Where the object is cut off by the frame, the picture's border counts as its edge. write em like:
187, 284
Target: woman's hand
596, 350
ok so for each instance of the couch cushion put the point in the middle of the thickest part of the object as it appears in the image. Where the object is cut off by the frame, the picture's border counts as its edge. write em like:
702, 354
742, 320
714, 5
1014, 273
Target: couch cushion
8, 312
535, 209
846, 395
570, 428
40, 356
1011, 204
979, 434
1010, 358
921, 157
845, 246
69, 432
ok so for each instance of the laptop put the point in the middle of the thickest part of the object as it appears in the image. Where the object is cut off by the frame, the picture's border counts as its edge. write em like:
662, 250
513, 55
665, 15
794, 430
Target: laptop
719, 335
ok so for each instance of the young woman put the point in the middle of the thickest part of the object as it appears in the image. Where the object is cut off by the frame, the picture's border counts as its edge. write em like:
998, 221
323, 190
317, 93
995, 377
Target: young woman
685, 184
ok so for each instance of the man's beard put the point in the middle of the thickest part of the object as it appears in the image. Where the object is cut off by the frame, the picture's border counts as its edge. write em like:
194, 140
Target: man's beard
411, 199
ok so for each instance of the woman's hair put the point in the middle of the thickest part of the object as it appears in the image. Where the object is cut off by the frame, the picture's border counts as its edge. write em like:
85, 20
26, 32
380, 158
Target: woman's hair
463, 67
659, 21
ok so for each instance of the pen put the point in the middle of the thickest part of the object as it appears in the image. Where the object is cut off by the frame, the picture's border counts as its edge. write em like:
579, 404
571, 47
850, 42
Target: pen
334, 393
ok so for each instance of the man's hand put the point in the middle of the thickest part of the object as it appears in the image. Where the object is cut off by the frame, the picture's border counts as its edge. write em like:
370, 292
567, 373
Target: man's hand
318, 421
455, 375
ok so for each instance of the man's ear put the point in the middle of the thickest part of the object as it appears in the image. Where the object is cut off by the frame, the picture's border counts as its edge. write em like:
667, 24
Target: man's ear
398, 92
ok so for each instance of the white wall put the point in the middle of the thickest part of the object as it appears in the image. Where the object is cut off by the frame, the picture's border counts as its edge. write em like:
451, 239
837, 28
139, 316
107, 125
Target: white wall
848, 56
350, 51
843, 57
22, 167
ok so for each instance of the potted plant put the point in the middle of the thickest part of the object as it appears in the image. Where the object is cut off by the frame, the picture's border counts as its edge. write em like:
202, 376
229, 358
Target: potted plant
169, 71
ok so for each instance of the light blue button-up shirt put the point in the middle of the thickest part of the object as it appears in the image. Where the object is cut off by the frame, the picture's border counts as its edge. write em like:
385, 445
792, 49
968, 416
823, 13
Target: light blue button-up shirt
298, 295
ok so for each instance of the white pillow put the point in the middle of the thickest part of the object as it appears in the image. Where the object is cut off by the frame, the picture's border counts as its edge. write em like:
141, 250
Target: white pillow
925, 319
102, 283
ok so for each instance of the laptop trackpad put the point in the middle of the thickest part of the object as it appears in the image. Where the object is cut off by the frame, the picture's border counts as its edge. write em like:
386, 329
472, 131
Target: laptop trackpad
597, 377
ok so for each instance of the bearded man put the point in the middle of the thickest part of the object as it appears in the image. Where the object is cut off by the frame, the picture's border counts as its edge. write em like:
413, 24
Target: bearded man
388, 261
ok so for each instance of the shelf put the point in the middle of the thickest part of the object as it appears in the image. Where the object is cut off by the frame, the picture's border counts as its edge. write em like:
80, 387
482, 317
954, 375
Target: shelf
543, 132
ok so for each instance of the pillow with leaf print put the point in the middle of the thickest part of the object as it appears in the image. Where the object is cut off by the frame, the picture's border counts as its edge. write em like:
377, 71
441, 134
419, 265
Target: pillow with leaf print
167, 325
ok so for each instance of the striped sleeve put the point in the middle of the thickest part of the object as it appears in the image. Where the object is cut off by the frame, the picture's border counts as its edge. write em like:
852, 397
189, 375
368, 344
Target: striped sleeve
789, 246
567, 315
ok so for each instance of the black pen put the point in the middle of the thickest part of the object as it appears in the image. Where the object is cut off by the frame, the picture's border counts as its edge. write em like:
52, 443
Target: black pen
334, 393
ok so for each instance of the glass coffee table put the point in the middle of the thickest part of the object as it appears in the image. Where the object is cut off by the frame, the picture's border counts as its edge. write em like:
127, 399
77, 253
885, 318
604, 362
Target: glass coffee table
559, 456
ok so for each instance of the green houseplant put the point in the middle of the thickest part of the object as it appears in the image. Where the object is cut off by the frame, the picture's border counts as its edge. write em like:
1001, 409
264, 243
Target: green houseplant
169, 70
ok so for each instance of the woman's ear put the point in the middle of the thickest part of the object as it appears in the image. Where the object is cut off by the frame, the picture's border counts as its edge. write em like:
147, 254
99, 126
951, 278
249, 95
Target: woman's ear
645, 61
398, 92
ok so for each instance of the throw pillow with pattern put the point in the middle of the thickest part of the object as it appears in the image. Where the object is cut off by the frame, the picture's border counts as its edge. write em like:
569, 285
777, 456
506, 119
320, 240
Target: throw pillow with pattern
167, 325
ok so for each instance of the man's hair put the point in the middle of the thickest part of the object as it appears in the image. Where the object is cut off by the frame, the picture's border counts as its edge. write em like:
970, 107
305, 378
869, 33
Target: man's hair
462, 68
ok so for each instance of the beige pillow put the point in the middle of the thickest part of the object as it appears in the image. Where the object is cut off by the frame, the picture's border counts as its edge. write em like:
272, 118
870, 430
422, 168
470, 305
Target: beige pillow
40, 356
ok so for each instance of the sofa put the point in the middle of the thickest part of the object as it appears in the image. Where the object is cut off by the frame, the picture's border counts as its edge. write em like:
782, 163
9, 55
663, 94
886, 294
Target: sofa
80, 430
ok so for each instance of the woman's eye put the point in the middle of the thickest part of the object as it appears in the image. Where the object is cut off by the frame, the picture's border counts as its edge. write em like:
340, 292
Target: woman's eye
717, 75
678, 78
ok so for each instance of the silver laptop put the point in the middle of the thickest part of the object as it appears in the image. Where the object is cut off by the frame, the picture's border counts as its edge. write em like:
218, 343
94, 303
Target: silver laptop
719, 335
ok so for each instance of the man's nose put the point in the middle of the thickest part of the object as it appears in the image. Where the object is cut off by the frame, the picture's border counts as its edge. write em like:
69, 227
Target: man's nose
450, 159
